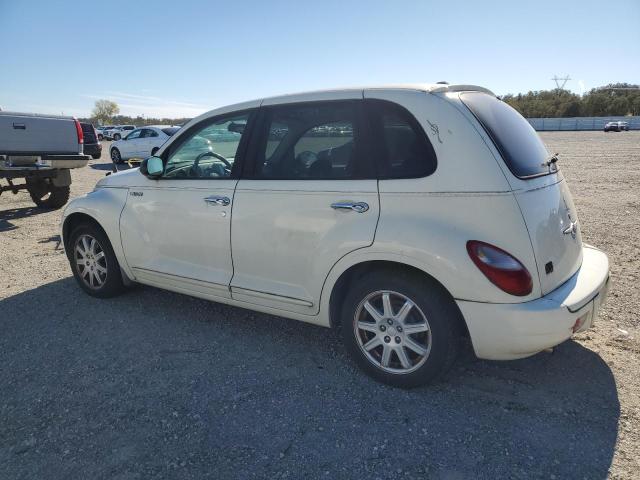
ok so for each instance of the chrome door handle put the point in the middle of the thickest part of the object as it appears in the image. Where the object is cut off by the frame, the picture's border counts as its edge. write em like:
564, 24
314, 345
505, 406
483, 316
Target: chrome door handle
359, 207
217, 200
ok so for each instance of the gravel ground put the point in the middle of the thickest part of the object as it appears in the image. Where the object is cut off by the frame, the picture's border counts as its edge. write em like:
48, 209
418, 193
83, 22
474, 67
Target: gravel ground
159, 385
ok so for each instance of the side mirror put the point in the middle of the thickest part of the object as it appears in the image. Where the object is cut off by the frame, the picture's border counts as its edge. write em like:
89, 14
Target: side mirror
152, 167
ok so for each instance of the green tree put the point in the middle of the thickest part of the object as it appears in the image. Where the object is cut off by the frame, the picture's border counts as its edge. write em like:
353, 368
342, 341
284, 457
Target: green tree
104, 110
620, 106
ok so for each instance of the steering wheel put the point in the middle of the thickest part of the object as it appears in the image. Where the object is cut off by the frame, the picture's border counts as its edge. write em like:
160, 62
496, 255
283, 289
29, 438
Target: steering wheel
226, 162
304, 160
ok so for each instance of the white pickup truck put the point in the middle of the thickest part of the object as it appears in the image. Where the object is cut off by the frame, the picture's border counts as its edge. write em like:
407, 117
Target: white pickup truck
41, 149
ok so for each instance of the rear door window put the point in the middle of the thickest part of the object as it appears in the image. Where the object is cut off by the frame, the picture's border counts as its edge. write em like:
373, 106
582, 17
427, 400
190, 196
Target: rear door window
518, 143
148, 133
314, 141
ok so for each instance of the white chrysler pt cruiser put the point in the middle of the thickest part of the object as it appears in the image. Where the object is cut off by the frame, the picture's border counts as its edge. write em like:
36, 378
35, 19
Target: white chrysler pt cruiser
405, 216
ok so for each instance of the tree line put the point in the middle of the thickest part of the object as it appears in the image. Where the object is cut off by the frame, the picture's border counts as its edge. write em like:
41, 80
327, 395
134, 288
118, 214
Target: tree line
615, 99
107, 112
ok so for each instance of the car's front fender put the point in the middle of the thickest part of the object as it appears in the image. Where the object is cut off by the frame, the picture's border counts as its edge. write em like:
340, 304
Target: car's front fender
104, 206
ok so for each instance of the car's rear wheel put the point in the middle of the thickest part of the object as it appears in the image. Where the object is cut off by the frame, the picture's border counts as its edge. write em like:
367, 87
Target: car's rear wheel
400, 328
116, 157
117, 137
93, 261
100, 137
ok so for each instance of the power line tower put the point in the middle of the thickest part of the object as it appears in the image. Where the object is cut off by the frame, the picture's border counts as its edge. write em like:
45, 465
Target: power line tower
558, 79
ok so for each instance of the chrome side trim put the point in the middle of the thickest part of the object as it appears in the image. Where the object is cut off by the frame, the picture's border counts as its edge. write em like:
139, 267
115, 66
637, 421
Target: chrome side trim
145, 274
270, 296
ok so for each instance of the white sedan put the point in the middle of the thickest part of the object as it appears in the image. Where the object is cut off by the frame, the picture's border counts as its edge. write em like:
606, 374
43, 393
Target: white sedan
141, 143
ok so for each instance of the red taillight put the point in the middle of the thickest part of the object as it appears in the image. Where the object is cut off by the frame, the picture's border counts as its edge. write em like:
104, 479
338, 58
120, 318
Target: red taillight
502, 269
79, 131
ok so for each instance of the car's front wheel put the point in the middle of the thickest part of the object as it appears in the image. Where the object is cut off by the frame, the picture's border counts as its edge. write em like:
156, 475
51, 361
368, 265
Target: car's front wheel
117, 137
93, 261
400, 328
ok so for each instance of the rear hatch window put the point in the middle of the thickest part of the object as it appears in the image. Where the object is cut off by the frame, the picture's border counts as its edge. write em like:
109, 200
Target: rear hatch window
170, 130
518, 143
88, 133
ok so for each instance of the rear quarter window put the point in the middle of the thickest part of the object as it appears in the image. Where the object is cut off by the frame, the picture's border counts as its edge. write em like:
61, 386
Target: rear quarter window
404, 151
520, 146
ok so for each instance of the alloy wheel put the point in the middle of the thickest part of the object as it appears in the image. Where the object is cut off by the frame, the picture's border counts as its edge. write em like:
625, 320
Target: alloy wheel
91, 262
392, 332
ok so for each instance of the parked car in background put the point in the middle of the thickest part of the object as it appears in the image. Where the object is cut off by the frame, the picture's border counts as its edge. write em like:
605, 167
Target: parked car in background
41, 150
101, 130
404, 217
141, 142
118, 132
92, 145
613, 127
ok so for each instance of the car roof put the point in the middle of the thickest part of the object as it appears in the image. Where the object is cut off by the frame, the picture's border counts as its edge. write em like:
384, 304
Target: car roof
341, 92
338, 94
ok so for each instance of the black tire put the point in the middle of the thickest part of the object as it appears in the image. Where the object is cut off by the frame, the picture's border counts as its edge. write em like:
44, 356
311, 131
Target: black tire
115, 156
117, 137
430, 302
95, 156
100, 137
112, 280
46, 195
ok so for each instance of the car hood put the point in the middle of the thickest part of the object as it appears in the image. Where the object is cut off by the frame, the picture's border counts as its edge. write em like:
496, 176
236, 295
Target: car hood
122, 179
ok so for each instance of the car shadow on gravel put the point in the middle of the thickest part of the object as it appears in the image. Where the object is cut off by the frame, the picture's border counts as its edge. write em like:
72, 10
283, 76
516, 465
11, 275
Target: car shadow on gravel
157, 384
6, 216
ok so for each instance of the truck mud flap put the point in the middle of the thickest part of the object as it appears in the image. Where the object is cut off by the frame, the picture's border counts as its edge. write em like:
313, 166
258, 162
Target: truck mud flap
63, 179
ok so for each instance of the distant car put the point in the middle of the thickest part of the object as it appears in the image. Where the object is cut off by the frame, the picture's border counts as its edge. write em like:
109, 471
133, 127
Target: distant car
92, 145
613, 127
623, 126
100, 131
141, 143
118, 132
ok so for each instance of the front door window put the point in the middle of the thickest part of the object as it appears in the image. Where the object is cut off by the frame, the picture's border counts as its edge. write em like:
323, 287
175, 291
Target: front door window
209, 152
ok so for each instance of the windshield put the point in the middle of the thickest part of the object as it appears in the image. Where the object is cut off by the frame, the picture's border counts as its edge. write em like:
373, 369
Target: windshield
518, 143
171, 130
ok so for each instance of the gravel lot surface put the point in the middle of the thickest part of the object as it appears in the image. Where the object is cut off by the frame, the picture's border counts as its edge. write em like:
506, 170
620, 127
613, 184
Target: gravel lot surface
154, 384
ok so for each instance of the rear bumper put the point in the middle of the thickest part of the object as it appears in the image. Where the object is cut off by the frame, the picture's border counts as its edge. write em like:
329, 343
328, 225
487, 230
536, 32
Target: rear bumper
510, 331
93, 149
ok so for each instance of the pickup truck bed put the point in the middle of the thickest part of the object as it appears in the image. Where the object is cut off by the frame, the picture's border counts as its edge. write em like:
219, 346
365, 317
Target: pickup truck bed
34, 134
41, 150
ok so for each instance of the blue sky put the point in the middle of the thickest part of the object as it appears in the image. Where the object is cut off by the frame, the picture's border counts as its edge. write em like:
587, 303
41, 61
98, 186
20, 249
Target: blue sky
181, 58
